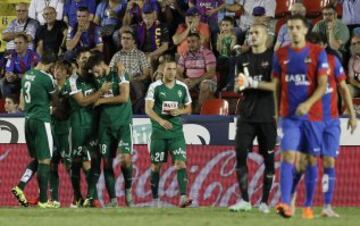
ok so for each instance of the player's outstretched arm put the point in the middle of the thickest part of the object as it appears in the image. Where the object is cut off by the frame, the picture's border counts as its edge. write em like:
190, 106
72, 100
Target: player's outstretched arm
345, 94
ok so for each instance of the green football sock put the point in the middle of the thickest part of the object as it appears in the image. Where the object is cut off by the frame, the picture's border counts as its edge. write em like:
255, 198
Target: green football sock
154, 179
43, 177
54, 182
75, 179
182, 180
127, 173
110, 181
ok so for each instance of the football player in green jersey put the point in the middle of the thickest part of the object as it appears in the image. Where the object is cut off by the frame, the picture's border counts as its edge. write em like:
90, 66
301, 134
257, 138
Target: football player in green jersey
39, 91
61, 126
115, 124
83, 120
167, 99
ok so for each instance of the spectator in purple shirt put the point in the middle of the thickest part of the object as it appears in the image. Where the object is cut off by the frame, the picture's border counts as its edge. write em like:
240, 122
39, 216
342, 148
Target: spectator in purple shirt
20, 61
208, 10
72, 6
85, 34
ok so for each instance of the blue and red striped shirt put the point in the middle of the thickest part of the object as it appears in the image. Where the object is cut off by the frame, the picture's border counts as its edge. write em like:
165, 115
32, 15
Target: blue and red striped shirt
298, 71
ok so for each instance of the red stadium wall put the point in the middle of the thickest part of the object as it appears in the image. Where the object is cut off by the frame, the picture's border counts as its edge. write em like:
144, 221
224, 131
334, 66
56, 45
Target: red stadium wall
212, 180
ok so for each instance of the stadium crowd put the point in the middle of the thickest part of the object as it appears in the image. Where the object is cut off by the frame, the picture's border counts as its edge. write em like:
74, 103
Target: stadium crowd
170, 57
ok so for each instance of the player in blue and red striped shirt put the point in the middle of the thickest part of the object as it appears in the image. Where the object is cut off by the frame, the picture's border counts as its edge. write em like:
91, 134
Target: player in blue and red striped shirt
299, 70
331, 134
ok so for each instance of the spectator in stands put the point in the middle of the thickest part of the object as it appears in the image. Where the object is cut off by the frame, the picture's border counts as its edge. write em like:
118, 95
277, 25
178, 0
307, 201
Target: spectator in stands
351, 13
337, 33
19, 62
72, 6
11, 104
247, 19
84, 34
36, 9
136, 66
109, 15
21, 25
354, 67
134, 8
192, 25
173, 13
197, 68
152, 37
259, 17
283, 37
208, 10
52, 35
226, 40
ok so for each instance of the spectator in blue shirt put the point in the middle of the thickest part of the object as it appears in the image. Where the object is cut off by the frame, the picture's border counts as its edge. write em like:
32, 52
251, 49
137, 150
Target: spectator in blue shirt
20, 61
72, 6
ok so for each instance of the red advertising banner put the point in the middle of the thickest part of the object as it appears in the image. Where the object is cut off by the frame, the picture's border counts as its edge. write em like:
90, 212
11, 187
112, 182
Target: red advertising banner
211, 171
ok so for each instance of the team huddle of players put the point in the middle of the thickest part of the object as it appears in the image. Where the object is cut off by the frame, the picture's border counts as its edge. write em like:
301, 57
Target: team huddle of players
90, 122
95, 112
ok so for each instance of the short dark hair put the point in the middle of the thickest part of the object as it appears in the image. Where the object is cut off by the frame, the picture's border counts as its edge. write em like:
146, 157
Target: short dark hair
81, 50
23, 36
128, 31
82, 9
298, 17
329, 6
194, 34
229, 19
14, 97
94, 59
48, 57
317, 38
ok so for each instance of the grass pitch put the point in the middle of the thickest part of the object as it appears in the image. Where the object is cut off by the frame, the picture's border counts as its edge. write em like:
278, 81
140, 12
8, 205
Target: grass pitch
164, 216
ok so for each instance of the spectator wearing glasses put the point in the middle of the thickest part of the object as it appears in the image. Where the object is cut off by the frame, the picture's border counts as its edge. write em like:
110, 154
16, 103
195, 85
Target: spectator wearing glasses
336, 31
21, 25
36, 9
137, 67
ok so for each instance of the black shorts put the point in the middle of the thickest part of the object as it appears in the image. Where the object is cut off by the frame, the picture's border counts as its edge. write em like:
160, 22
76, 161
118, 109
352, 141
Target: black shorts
266, 133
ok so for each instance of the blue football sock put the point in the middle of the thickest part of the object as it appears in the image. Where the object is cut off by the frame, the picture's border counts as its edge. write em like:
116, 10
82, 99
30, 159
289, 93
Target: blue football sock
310, 184
297, 178
286, 180
328, 183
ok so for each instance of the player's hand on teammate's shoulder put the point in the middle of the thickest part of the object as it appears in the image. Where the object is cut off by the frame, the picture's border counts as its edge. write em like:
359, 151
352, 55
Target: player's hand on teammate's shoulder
352, 124
303, 109
166, 124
